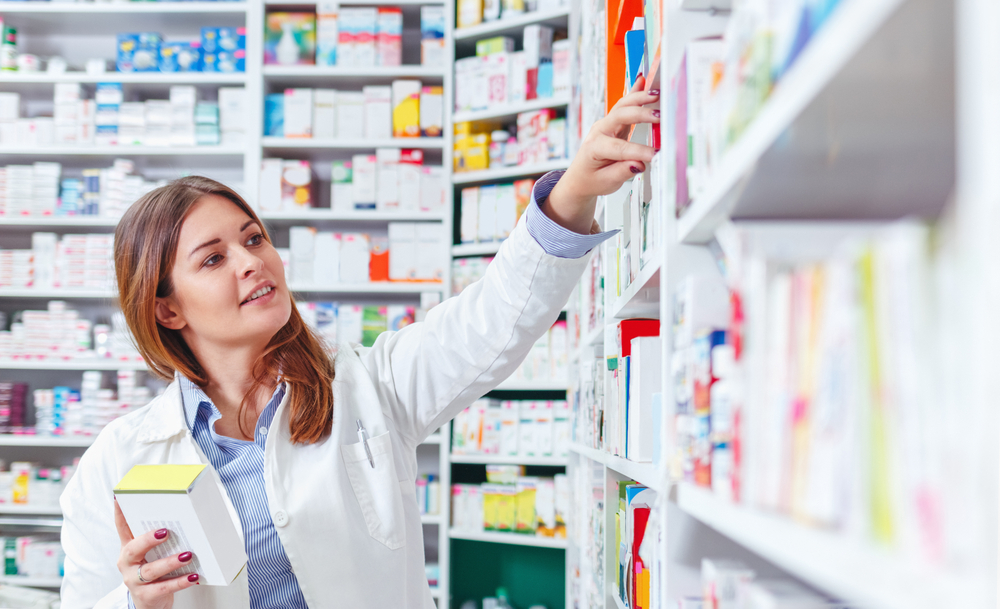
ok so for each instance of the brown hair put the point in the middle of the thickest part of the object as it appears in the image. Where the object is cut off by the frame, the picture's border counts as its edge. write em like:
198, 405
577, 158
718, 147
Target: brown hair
145, 247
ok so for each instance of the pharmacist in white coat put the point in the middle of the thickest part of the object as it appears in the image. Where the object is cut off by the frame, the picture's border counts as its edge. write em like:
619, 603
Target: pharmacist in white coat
255, 397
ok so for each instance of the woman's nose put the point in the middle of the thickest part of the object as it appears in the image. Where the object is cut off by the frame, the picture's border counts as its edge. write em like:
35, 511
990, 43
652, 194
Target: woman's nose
250, 264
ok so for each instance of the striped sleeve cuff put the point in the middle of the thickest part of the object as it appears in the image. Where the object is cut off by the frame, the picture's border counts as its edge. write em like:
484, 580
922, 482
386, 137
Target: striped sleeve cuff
554, 239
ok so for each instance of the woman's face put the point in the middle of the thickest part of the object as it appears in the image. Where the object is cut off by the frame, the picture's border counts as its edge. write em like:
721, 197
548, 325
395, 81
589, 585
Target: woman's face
229, 282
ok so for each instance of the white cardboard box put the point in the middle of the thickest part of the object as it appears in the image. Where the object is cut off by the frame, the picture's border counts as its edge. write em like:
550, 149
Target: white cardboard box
402, 251
298, 112
325, 113
378, 112
184, 499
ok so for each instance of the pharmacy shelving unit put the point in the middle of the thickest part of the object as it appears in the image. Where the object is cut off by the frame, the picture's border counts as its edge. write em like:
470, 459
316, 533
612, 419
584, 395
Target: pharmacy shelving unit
919, 137
521, 558
432, 455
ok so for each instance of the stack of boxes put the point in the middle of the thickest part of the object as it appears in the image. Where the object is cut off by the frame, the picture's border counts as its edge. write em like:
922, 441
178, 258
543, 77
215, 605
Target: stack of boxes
354, 323
497, 75
62, 411
412, 252
466, 271
17, 269
512, 428
511, 502
405, 109
82, 262
60, 333
12, 399
220, 49
489, 213
538, 137
355, 37
29, 189
393, 179
109, 120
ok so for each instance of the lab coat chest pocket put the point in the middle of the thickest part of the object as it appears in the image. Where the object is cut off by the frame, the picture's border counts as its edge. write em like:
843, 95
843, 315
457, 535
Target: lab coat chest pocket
377, 489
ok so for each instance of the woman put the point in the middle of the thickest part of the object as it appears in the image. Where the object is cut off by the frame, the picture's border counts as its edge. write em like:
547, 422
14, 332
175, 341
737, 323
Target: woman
324, 523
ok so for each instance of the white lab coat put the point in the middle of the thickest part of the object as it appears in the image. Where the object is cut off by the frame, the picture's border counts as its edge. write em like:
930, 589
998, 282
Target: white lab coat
352, 533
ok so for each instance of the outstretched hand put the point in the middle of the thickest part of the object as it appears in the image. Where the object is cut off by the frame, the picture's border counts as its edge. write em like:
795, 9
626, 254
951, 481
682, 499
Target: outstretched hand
605, 160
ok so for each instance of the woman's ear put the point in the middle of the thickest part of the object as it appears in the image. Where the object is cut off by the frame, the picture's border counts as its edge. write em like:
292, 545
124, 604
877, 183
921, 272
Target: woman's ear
167, 314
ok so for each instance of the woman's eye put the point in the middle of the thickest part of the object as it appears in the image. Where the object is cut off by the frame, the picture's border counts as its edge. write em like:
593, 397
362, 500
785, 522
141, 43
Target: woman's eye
257, 239
213, 260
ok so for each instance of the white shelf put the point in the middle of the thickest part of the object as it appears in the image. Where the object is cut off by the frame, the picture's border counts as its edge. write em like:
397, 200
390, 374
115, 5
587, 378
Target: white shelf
488, 248
889, 153
343, 72
431, 519
55, 293
46, 441
510, 538
306, 143
17, 509
58, 221
643, 473
517, 171
154, 78
859, 572
642, 297
619, 604
385, 287
515, 385
31, 582
435, 592
119, 8
328, 215
122, 151
510, 110
69, 364
509, 460
511, 25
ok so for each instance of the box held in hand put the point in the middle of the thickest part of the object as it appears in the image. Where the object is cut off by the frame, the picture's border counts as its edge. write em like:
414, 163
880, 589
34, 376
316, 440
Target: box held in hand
185, 500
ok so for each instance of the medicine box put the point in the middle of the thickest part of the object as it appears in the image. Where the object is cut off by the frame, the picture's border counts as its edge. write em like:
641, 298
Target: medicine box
180, 57
290, 39
327, 32
186, 500
390, 36
432, 36
138, 52
406, 108
432, 111
298, 112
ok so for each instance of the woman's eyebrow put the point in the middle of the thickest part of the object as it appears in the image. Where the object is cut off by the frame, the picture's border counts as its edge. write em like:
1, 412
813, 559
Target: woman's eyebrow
248, 223
206, 244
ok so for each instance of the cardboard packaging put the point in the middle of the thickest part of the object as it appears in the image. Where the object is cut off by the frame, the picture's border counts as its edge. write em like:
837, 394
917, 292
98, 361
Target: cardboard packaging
432, 50
406, 108
290, 39
298, 112
410, 165
402, 251
432, 111
270, 185
537, 50
302, 251
387, 178
390, 36
327, 32
324, 113
378, 112
341, 196
187, 501
355, 258
326, 264
432, 194
350, 114
296, 185
363, 185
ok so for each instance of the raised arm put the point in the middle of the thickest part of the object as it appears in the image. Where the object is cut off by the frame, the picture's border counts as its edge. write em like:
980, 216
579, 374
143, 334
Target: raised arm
428, 372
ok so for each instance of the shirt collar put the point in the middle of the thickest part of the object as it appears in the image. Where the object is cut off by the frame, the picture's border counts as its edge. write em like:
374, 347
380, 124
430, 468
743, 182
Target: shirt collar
193, 397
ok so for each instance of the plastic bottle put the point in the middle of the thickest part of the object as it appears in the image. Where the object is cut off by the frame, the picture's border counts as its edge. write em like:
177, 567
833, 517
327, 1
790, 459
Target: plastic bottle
288, 49
502, 602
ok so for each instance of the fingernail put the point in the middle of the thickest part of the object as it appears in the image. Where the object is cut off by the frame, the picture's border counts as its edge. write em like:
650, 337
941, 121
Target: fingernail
160, 534
185, 556
193, 577
654, 91
635, 170
656, 113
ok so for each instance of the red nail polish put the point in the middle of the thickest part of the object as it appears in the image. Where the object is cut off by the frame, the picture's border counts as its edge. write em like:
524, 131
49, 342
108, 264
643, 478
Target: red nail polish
161, 534
185, 556
193, 577
635, 170
654, 91
656, 113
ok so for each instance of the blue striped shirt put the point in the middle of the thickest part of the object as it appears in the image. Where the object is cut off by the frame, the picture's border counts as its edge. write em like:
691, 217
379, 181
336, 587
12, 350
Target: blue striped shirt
240, 463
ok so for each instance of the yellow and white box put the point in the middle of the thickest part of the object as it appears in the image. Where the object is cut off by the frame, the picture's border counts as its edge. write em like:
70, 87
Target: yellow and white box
185, 500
